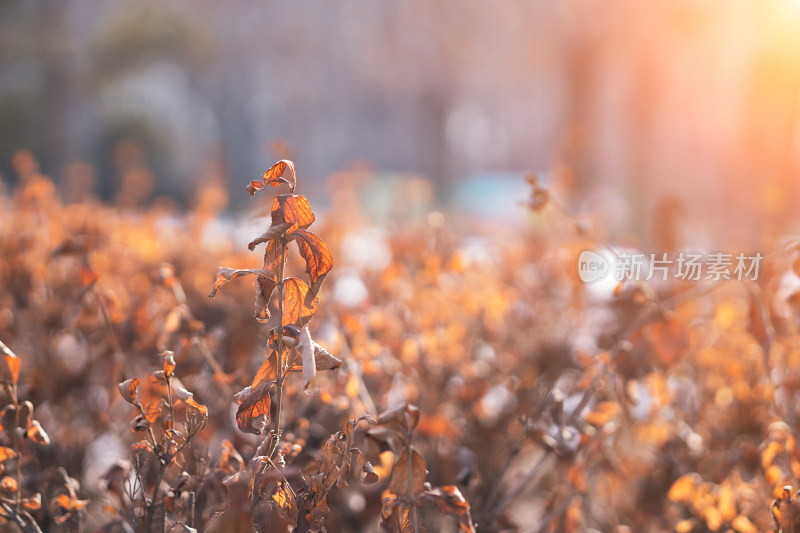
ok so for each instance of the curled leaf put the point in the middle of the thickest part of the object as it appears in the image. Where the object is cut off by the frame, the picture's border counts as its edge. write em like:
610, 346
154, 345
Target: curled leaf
274, 176
169, 363
129, 390
451, 502
324, 360
200, 408
317, 255
403, 418
140, 423
25, 413
254, 404
313, 358
182, 394
304, 346
224, 275
9, 366
366, 474
273, 232
37, 434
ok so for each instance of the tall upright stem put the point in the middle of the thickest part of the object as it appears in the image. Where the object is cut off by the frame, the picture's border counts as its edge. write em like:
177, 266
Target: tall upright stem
273, 439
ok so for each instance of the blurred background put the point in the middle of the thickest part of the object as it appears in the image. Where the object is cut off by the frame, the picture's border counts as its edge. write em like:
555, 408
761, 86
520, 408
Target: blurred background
676, 109
129, 129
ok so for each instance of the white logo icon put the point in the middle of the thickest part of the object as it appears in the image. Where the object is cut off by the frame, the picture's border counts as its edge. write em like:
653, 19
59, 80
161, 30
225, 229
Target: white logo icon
592, 266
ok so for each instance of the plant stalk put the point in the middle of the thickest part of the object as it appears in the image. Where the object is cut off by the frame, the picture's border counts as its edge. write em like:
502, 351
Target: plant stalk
279, 356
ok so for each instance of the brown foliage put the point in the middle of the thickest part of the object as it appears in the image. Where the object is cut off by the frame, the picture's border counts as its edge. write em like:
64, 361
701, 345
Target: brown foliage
655, 408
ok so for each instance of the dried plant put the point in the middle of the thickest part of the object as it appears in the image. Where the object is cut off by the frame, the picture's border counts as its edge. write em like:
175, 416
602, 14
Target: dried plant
164, 445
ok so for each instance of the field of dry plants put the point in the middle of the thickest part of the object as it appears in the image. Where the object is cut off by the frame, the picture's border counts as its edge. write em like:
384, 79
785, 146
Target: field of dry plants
429, 384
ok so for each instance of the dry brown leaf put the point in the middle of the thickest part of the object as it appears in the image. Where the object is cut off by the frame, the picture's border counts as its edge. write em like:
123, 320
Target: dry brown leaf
6, 454
298, 304
306, 349
37, 434
317, 255
267, 371
34, 503
9, 367
408, 476
69, 504
272, 233
274, 176
603, 413
231, 461
169, 363
292, 209
254, 404
683, 488
224, 275
202, 409
129, 390
8, 485
451, 502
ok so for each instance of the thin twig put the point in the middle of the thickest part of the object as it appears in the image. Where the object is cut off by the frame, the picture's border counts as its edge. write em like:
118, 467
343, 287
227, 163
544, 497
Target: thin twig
355, 369
524, 482
202, 346
151, 509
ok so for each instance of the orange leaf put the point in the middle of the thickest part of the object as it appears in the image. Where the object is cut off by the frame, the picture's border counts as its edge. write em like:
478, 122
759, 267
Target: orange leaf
8, 485
6, 454
62, 500
292, 209
408, 477
254, 404
37, 434
230, 462
266, 372
450, 501
69, 504
280, 498
603, 413
317, 255
169, 363
34, 503
129, 389
202, 409
684, 487
266, 284
153, 410
9, 368
224, 275
298, 304
274, 177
